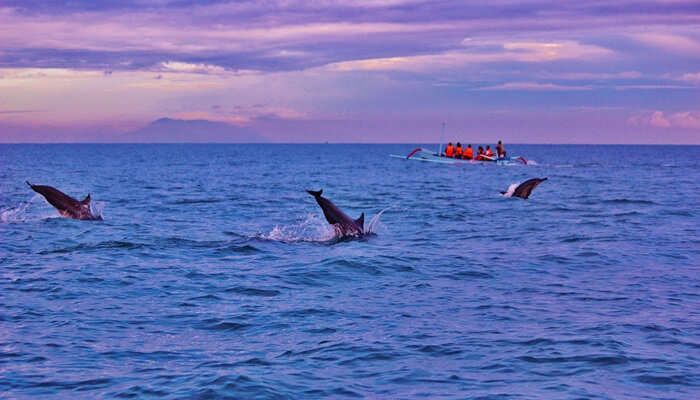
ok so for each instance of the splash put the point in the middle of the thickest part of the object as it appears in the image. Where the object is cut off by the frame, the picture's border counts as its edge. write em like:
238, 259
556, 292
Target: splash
374, 223
511, 190
97, 209
311, 229
19, 213
315, 229
25, 212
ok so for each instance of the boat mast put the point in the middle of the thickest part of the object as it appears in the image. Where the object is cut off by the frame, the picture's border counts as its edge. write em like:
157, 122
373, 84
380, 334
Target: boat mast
441, 137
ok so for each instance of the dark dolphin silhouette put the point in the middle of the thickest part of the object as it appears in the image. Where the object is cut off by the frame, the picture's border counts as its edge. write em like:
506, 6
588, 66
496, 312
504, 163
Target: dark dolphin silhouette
524, 189
67, 206
342, 224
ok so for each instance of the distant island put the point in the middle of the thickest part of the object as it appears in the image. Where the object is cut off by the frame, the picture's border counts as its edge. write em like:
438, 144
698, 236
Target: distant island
169, 130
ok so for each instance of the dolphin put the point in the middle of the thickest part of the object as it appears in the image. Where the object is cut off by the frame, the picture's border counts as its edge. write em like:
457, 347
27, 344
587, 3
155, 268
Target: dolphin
342, 224
67, 206
524, 189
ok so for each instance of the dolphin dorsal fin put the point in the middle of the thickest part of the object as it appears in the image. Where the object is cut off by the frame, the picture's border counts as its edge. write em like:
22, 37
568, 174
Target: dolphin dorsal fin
86, 200
314, 193
361, 221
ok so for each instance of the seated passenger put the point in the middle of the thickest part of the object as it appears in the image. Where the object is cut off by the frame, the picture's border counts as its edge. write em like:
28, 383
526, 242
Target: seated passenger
480, 154
449, 151
468, 153
458, 150
489, 152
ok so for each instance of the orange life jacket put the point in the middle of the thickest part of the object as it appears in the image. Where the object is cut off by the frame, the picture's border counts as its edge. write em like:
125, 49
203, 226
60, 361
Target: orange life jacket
468, 153
489, 153
449, 151
458, 151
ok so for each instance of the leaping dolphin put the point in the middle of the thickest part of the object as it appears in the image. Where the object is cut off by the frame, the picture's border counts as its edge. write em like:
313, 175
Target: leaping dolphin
524, 189
67, 206
342, 224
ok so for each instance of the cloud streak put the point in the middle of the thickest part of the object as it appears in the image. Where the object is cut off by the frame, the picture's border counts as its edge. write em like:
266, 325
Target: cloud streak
529, 86
660, 119
526, 52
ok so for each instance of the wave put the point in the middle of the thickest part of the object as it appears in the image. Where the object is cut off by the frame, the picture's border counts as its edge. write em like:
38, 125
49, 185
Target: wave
468, 275
664, 380
248, 291
590, 359
196, 201
111, 244
215, 324
628, 201
680, 213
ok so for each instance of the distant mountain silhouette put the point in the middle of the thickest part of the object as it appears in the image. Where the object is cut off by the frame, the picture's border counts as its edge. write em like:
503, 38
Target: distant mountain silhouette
169, 130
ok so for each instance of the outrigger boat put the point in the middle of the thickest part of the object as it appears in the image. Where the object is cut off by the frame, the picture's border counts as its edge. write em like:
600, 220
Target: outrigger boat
421, 154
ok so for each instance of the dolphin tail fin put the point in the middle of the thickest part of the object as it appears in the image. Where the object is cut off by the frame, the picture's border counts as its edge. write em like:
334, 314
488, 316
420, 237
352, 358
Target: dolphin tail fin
30, 185
361, 221
544, 179
86, 200
314, 193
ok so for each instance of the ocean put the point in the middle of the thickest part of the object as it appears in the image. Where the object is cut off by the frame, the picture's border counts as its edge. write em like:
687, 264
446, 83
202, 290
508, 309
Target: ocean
215, 275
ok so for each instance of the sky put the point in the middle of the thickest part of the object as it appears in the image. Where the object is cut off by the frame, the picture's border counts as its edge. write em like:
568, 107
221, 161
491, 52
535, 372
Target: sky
385, 71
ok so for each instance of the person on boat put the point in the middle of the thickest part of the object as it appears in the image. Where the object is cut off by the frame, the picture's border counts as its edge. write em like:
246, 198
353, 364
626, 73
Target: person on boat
489, 152
458, 150
480, 154
500, 150
449, 150
468, 153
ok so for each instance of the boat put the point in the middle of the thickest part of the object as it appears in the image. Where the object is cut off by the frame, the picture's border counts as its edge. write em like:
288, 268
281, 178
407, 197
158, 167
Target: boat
421, 154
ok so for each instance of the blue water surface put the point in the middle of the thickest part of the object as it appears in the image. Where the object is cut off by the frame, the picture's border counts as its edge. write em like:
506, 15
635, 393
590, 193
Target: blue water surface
215, 275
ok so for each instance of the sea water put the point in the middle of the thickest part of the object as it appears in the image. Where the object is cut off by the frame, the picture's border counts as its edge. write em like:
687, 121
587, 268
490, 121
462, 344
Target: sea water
215, 275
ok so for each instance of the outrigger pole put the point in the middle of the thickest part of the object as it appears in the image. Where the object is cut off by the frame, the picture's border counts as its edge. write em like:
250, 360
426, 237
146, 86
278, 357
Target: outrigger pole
441, 137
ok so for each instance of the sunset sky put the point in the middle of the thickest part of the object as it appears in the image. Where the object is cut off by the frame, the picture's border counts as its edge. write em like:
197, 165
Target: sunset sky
354, 70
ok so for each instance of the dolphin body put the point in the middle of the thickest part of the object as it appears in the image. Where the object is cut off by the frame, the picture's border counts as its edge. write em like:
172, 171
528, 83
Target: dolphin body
67, 206
524, 189
342, 224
